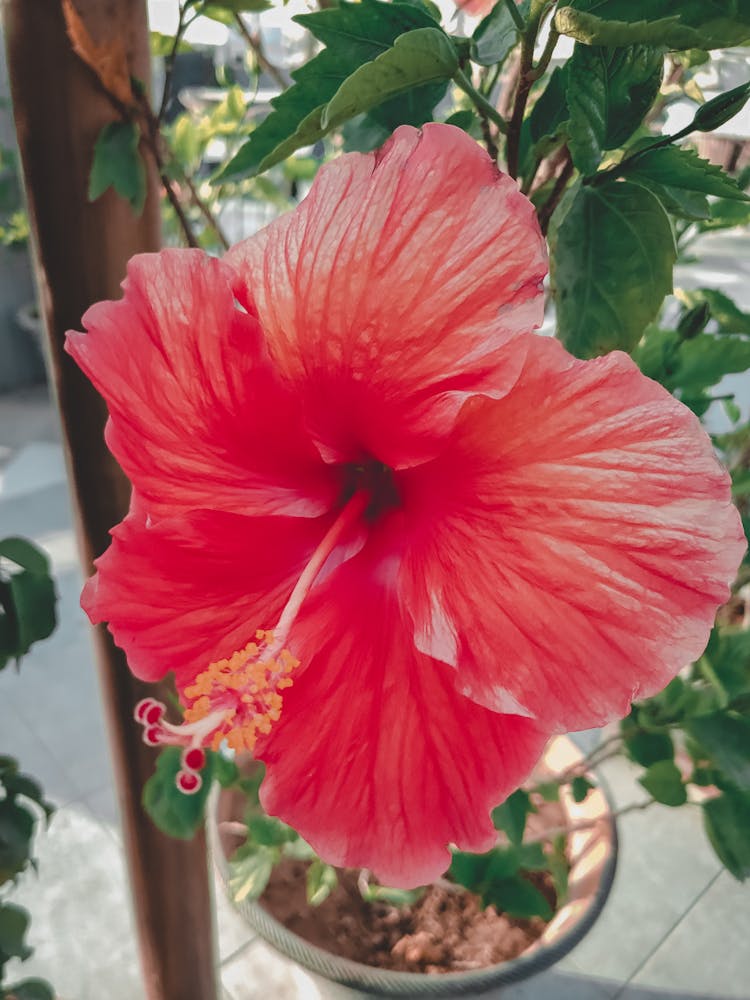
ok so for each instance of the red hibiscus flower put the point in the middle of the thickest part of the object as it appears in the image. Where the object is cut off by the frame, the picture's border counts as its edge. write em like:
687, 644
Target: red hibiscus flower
384, 535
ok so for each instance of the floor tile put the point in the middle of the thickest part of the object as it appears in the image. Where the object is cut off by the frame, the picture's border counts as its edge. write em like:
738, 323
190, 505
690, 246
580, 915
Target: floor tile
717, 931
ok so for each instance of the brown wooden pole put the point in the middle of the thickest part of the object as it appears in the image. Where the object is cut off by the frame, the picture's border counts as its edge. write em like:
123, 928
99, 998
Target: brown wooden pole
81, 251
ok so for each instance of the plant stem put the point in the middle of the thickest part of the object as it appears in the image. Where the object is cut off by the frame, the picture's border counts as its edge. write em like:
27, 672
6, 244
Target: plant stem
546, 211
480, 102
516, 15
203, 208
255, 42
546, 56
586, 824
169, 62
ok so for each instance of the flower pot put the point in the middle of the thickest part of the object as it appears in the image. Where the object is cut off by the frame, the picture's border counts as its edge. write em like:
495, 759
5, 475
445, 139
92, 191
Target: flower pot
592, 854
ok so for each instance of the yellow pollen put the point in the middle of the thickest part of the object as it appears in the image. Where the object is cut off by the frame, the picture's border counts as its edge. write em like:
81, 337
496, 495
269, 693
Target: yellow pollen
246, 687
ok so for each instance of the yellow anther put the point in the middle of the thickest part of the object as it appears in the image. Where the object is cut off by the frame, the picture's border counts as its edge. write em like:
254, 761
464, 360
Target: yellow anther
246, 687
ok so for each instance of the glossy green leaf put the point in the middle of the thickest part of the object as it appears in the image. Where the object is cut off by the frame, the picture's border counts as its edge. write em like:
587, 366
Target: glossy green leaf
612, 257
27, 611
118, 164
664, 782
354, 33
172, 811
608, 93
682, 180
416, 58
677, 24
726, 738
727, 823
494, 36
512, 814
690, 366
321, 881
518, 898
269, 831
550, 111
249, 871
363, 134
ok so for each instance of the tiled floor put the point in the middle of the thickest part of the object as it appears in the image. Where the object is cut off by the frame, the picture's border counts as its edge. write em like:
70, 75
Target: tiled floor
675, 927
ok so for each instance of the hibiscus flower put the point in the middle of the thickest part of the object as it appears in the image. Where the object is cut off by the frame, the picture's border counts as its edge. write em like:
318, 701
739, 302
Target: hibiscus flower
384, 535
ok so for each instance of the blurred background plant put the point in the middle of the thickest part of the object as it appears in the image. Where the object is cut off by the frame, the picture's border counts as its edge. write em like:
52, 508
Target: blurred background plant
27, 615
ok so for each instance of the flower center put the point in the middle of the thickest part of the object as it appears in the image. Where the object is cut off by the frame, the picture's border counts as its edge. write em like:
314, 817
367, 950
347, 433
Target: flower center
239, 698
377, 480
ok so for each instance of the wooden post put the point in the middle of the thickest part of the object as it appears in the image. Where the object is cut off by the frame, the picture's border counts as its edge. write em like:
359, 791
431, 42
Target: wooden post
81, 251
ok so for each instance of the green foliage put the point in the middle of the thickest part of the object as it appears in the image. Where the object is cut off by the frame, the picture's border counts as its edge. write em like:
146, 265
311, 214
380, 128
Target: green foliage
676, 24
118, 164
174, 813
664, 782
580, 787
250, 869
27, 598
608, 93
725, 739
512, 814
14, 922
354, 34
28, 989
682, 180
417, 58
612, 258
727, 823
720, 109
495, 37
498, 878
321, 881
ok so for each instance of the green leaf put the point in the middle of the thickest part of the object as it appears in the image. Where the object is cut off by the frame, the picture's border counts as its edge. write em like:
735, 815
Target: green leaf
677, 24
14, 922
687, 367
612, 257
269, 831
549, 790
225, 10
417, 58
494, 37
664, 782
726, 214
321, 881
681, 181
727, 823
580, 786
118, 164
511, 815
249, 871
726, 738
648, 748
172, 811
25, 554
721, 109
16, 784
162, 45
550, 110
518, 898
225, 771
28, 601
609, 92
30, 989
354, 33
363, 134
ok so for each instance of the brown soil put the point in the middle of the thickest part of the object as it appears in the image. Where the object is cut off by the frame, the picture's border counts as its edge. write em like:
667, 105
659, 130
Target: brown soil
445, 931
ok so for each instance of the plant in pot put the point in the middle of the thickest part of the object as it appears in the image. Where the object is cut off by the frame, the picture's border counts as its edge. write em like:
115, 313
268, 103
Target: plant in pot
388, 539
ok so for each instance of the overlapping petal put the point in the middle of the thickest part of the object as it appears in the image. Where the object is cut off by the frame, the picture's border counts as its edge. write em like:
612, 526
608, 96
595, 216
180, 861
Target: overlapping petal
570, 547
183, 593
394, 288
198, 417
376, 760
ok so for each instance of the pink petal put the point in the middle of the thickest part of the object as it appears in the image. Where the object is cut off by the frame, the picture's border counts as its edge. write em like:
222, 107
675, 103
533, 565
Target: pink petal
197, 417
183, 593
376, 760
389, 294
569, 549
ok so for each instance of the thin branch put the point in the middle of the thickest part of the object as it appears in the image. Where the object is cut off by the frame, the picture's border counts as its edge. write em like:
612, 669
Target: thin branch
169, 63
203, 208
480, 102
516, 15
255, 42
489, 139
546, 211
586, 824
